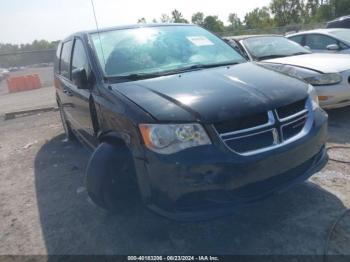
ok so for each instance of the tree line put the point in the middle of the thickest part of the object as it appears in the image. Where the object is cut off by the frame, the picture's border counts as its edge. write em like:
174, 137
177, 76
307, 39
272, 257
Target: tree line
278, 13
36, 45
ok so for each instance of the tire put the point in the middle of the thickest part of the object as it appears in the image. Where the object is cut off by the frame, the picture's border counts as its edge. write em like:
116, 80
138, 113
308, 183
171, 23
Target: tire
109, 176
66, 127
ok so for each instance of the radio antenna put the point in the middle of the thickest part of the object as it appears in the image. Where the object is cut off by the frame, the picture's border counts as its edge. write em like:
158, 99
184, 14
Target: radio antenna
98, 32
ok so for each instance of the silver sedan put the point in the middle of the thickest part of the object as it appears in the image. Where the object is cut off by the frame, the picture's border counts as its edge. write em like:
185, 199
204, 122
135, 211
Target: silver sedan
333, 40
328, 73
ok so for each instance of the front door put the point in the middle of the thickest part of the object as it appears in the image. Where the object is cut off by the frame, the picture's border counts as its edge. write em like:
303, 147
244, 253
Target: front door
80, 97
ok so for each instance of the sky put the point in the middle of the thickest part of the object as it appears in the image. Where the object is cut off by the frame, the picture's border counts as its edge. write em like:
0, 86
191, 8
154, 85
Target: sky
22, 21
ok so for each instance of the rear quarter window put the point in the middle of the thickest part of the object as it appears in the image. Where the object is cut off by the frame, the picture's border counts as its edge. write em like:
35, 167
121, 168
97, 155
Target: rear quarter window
64, 67
57, 58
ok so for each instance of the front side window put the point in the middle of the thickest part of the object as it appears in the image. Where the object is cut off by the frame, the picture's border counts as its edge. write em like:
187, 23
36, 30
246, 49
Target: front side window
159, 49
272, 46
65, 59
319, 42
80, 59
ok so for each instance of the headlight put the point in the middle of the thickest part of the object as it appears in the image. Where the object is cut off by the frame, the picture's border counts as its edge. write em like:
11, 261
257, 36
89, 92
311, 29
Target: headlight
168, 139
293, 71
324, 79
313, 97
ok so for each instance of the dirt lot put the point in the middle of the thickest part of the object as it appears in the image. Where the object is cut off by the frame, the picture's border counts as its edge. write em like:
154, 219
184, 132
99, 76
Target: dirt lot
44, 207
28, 100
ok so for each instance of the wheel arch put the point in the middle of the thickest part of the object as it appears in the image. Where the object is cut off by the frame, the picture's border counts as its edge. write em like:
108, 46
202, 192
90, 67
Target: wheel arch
114, 138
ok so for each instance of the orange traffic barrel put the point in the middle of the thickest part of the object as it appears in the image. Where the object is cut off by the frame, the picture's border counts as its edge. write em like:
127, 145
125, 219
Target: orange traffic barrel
37, 81
30, 82
23, 83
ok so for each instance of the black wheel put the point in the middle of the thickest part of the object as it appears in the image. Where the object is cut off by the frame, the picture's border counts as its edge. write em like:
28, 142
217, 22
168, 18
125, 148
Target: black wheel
109, 176
67, 129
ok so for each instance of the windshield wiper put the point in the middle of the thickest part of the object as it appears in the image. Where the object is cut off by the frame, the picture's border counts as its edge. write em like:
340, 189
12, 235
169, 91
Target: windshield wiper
133, 77
215, 65
299, 53
270, 57
199, 67
139, 76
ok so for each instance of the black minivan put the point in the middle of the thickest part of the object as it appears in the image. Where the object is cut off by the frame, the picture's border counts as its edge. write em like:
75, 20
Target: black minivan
176, 116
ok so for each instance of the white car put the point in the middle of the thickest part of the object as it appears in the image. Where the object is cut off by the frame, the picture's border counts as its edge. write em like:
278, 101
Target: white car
4, 73
332, 40
328, 73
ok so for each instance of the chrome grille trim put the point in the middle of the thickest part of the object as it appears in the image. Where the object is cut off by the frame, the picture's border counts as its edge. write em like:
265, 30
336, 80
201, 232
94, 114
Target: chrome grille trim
272, 126
303, 112
290, 123
248, 135
270, 122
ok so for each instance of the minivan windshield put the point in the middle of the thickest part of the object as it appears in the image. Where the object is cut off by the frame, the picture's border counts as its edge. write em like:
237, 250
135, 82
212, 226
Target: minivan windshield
160, 49
267, 47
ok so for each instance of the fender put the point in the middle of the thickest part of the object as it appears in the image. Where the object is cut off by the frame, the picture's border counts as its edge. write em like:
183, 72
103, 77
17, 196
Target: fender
114, 138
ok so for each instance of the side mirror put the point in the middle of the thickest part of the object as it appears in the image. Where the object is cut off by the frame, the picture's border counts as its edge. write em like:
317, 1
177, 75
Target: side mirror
307, 47
333, 47
79, 78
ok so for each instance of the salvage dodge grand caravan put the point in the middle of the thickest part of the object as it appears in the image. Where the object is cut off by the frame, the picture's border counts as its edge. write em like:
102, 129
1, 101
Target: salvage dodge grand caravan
177, 116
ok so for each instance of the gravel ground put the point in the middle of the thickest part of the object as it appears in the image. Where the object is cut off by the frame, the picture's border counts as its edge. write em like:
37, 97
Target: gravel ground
31, 99
44, 207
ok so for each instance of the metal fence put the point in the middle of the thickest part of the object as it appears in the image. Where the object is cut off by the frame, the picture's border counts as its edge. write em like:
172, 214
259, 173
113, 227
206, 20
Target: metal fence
26, 58
274, 30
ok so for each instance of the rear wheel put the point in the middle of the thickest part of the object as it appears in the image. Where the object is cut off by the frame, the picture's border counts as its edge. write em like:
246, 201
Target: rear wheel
67, 129
109, 180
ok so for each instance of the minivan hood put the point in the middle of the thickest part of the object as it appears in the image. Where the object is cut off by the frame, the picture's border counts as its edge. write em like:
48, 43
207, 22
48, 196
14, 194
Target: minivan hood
213, 95
325, 63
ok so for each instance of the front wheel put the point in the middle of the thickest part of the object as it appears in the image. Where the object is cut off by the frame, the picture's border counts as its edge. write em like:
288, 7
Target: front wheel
109, 176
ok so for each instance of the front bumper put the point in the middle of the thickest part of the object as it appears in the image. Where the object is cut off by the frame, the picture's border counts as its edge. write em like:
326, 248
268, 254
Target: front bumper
338, 95
210, 181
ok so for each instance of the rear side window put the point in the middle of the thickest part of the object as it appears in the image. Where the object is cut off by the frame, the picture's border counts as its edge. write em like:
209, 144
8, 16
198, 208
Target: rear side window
80, 59
65, 59
298, 39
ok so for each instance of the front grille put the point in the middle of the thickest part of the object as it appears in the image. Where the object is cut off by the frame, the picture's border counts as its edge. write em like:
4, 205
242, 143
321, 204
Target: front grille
242, 123
291, 109
250, 134
246, 143
293, 128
